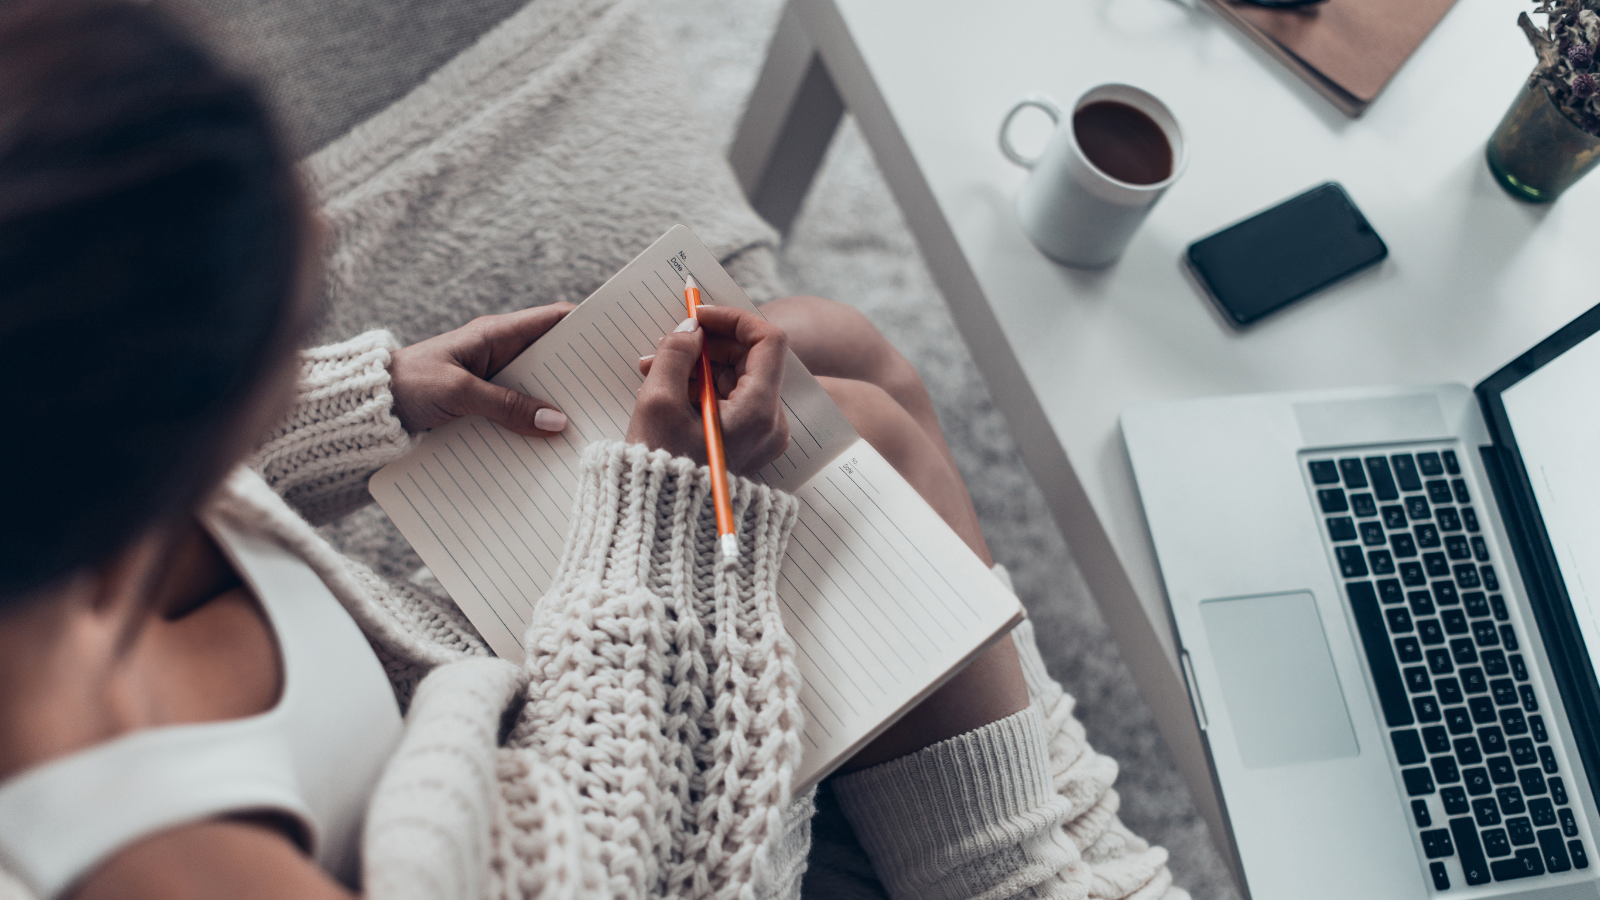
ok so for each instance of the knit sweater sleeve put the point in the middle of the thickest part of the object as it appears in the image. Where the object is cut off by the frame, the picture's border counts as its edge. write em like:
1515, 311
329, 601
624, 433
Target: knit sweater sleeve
663, 687
1022, 807
340, 430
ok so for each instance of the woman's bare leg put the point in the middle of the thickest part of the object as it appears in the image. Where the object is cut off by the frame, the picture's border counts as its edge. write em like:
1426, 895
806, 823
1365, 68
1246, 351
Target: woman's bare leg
991, 687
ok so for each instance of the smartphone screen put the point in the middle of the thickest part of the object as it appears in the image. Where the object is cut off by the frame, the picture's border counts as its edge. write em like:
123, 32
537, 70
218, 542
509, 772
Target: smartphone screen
1294, 249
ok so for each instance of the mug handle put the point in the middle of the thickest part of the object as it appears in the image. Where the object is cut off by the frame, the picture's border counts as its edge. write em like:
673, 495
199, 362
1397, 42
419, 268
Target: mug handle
1037, 101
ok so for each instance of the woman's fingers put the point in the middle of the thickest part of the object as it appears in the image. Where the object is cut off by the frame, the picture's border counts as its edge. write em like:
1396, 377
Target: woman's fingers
505, 336
661, 418
512, 410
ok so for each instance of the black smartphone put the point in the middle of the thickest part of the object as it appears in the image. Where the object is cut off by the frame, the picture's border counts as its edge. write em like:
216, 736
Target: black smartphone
1290, 251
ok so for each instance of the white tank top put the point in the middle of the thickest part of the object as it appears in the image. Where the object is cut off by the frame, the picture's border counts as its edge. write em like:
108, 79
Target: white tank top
315, 757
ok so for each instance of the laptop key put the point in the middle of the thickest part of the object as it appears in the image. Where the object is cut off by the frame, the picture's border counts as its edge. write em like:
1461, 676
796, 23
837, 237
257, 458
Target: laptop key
1407, 747
1467, 752
1436, 843
1484, 634
1448, 520
1352, 564
1457, 547
1454, 621
1341, 528
1542, 812
1476, 606
1531, 780
1445, 593
1494, 662
1405, 472
1508, 637
1519, 669
1457, 720
1498, 604
1363, 505
1501, 770
1426, 708
1486, 812
1419, 812
1469, 518
1441, 878
1399, 619
1530, 703
1436, 564
1355, 476
1525, 864
1332, 500
1511, 720
1490, 580
1389, 591
1448, 689
1408, 649
1558, 790
1569, 822
1402, 544
1477, 781
1380, 658
1483, 711
1467, 576
1495, 842
1510, 798
1372, 534
1580, 859
1382, 481
1394, 517
1505, 694
1480, 549
1439, 664
1418, 781
1417, 508
1464, 652
1439, 492
1472, 680
1522, 752
1492, 740
1421, 603
1412, 575
1547, 760
1555, 851
1324, 471
1474, 867
1417, 680
1382, 563
1450, 464
1521, 831
1454, 800
1427, 533
1445, 771
1459, 485
1436, 739
1429, 631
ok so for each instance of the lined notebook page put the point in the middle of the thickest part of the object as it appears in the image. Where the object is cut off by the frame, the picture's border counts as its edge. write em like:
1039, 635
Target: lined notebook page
882, 599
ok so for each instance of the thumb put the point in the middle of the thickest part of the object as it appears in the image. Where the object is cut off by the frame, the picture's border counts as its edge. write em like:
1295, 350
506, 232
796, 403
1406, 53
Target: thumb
511, 410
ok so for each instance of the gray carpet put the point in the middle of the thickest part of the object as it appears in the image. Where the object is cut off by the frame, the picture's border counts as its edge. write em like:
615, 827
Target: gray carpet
333, 63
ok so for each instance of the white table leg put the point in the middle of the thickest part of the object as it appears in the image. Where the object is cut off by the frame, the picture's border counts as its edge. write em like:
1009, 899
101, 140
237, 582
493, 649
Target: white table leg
788, 122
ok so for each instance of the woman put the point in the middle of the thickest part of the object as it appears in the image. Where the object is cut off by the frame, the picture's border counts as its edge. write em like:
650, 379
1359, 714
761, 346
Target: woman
200, 697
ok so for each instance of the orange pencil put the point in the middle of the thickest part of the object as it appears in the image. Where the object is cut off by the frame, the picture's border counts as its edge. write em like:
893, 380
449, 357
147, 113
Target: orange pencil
716, 455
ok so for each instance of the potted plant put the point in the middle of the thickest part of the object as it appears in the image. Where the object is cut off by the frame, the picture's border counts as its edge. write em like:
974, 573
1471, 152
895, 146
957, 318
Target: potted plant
1551, 135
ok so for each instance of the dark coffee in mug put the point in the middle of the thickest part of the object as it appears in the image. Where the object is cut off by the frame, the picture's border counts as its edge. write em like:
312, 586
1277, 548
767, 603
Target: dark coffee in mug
1123, 142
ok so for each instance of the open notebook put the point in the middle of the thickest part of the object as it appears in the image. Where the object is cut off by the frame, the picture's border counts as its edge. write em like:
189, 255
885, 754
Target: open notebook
883, 601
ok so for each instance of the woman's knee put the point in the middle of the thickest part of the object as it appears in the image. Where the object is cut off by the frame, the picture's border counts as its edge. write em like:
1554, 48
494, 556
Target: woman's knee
837, 340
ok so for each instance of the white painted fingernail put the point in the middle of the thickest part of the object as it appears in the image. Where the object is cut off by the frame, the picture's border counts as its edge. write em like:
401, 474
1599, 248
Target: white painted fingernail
548, 419
686, 325
645, 359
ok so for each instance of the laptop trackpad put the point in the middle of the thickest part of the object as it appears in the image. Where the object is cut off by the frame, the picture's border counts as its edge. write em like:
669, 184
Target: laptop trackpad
1277, 679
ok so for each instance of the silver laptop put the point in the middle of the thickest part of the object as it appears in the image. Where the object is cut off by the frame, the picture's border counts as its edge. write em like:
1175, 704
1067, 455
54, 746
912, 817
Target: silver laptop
1387, 603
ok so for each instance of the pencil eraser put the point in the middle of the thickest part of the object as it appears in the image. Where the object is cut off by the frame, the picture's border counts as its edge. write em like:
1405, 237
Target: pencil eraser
730, 547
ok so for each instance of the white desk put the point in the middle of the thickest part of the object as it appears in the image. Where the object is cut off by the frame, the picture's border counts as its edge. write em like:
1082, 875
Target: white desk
1474, 277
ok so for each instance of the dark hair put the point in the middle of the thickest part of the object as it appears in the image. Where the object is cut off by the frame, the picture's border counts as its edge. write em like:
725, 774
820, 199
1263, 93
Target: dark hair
150, 235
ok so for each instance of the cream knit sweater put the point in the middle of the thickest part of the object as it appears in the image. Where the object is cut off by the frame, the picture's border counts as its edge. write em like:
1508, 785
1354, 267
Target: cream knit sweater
647, 746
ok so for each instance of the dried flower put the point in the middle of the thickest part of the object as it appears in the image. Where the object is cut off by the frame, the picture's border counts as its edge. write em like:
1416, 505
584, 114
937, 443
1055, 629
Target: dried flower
1566, 68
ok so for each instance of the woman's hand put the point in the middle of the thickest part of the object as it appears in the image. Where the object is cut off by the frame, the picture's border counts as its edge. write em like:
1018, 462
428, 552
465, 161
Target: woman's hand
444, 378
748, 355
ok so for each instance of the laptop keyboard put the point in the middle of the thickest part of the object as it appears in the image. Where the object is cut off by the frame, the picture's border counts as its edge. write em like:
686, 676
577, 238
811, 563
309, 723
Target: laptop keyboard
1487, 794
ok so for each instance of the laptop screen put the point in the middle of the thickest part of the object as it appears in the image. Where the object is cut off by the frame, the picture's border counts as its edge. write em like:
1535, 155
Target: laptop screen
1554, 411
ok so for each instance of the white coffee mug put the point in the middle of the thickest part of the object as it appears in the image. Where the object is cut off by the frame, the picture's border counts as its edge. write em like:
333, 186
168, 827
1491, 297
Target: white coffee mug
1074, 212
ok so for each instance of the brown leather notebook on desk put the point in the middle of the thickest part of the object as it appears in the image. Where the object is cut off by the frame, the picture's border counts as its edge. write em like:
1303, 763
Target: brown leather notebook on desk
1346, 49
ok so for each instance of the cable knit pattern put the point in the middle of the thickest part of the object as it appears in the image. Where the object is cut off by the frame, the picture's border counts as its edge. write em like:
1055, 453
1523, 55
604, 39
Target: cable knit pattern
341, 428
664, 689
1022, 807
